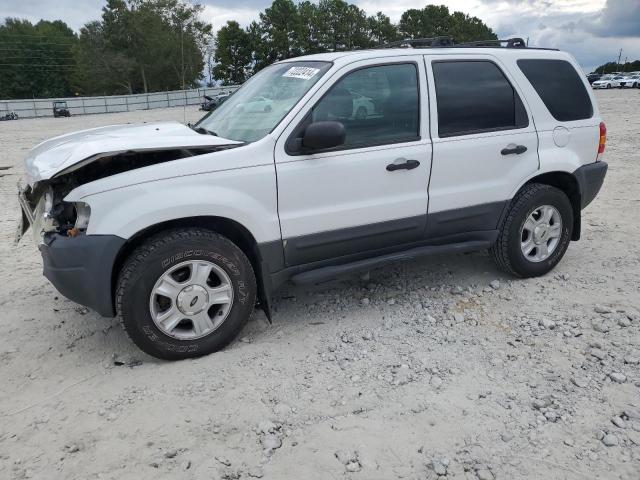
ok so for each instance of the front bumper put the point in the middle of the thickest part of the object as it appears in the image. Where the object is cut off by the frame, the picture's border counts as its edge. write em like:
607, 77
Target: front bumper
590, 179
81, 268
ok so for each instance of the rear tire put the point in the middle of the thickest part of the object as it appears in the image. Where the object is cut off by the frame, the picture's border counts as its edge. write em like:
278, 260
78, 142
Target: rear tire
529, 243
185, 293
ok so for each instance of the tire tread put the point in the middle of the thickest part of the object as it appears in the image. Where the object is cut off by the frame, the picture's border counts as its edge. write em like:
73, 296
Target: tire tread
500, 249
140, 254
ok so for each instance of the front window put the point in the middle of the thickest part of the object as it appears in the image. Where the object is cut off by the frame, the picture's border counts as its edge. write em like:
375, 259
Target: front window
263, 101
377, 105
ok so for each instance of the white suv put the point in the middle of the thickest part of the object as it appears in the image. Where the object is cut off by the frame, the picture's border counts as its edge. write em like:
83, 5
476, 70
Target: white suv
180, 230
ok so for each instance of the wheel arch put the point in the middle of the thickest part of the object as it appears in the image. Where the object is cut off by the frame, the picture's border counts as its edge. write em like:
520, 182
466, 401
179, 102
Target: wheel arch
568, 183
227, 227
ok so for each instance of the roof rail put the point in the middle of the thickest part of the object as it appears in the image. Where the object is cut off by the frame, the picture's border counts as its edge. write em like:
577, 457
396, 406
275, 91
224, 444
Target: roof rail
442, 41
445, 41
515, 42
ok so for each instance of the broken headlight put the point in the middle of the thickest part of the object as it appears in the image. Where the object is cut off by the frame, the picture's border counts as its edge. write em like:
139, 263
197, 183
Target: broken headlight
83, 212
43, 219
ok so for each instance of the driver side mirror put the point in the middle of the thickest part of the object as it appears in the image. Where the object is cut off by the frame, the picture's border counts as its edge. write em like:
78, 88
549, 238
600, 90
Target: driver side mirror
323, 135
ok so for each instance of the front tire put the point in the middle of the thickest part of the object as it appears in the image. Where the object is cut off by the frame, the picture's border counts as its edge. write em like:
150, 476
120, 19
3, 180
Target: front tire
535, 233
185, 293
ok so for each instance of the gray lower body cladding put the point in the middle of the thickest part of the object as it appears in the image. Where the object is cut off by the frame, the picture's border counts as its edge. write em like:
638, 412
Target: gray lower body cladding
81, 268
590, 178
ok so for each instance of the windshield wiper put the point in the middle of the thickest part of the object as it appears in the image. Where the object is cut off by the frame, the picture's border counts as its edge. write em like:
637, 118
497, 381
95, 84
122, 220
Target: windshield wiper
203, 131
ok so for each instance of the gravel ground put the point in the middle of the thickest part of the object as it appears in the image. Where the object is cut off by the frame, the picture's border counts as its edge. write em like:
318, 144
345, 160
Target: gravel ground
440, 367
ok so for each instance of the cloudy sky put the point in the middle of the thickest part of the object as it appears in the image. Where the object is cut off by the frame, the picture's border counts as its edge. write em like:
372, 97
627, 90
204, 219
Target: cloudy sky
592, 30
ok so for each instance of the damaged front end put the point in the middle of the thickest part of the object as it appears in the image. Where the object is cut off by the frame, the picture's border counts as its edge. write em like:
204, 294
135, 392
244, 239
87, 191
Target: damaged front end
43, 209
43, 206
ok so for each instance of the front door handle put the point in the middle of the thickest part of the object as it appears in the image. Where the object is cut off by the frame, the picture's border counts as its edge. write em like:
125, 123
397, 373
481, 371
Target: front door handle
509, 150
403, 164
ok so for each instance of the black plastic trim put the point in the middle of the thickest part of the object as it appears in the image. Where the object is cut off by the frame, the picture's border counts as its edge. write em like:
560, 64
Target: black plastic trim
81, 267
337, 243
473, 240
329, 272
467, 219
590, 178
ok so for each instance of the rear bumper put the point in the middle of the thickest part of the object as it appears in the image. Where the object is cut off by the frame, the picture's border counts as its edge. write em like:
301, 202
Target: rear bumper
590, 178
81, 268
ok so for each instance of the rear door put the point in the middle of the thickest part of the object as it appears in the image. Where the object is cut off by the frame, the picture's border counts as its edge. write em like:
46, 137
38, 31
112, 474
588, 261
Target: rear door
372, 192
484, 143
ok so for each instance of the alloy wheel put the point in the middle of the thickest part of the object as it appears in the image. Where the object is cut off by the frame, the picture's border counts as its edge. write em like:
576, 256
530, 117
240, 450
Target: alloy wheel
191, 299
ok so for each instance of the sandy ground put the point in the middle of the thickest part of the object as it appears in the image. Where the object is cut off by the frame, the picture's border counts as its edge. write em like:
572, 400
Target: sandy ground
419, 370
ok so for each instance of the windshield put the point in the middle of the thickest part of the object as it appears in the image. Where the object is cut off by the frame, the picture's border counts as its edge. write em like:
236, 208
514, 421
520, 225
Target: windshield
255, 109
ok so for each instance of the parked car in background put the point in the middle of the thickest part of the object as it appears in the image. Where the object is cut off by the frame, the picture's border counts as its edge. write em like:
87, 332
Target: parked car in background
592, 77
211, 103
256, 104
631, 81
9, 116
608, 81
60, 109
363, 107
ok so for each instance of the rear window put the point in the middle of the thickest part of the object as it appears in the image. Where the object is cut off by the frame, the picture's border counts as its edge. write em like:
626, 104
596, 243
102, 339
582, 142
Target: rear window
560, 88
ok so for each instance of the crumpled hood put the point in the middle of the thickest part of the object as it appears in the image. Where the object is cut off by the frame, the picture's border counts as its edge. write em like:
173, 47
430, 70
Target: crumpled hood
53, 156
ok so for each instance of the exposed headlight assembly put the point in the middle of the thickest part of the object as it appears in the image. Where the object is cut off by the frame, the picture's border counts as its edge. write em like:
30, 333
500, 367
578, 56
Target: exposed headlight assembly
83, 212
43, 220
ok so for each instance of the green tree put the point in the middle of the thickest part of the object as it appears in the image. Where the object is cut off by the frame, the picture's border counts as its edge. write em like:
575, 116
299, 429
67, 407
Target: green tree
36, 60
165, 39
142, 46
309, 27
435, 21
381, 29
279, 31
341, 26
611, 67
100, 68
233, 54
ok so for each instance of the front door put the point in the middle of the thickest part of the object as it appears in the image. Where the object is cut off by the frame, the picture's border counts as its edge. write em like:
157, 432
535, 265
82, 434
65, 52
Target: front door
370, 193
484, 144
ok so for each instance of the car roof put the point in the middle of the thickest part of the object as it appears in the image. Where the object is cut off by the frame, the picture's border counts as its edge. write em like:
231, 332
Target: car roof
356, 55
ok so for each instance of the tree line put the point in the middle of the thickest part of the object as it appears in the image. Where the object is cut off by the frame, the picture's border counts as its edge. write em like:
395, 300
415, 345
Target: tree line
154, 45
611, 67
136, 46
286, 30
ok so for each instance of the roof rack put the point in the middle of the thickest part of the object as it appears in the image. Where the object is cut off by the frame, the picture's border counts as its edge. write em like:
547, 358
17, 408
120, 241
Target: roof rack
445, 41
515, 42
420, 42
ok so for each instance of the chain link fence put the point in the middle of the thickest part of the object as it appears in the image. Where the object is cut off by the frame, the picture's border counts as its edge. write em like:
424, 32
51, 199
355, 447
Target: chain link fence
43, 107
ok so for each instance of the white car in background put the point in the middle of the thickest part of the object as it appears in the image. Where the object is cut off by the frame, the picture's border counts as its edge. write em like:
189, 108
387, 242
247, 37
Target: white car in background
363, 107
631, 81
257, 104
608, 81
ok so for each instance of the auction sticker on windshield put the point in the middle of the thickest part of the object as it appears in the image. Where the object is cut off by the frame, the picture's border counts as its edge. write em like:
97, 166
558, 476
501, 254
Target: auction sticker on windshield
304, 73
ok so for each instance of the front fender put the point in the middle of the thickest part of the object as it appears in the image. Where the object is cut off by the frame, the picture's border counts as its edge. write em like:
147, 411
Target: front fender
245, 195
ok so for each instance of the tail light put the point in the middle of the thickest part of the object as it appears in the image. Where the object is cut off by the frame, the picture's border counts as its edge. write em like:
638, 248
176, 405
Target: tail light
603, 140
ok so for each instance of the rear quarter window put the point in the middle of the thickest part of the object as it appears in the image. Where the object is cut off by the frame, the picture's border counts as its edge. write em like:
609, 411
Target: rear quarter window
560, 88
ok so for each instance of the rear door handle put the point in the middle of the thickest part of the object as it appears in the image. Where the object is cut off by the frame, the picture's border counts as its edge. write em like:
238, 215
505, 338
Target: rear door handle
509, 150
403, 164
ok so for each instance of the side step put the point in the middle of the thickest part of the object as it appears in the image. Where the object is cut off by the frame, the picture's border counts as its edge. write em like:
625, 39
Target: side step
324, 274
